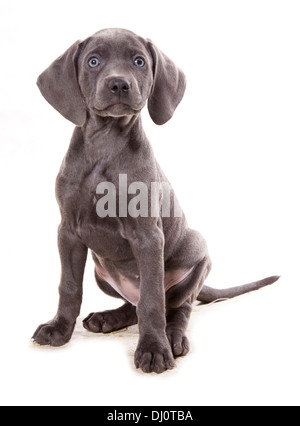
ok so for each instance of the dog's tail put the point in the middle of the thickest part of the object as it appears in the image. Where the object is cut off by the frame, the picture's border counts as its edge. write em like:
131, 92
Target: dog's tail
209, 295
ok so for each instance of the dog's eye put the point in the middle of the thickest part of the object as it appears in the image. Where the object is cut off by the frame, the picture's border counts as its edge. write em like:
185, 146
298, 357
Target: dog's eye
93, 62
139, 62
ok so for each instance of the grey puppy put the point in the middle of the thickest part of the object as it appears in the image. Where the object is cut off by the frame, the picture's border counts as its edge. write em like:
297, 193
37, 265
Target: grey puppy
154, 262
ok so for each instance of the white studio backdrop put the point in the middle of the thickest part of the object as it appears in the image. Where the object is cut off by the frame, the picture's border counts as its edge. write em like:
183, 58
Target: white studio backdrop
230, 152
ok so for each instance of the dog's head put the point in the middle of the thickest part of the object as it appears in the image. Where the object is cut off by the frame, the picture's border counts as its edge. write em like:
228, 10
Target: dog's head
113, 73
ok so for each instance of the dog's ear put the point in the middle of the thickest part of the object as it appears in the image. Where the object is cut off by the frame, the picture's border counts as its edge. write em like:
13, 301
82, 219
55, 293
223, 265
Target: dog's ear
168, 86
59, 86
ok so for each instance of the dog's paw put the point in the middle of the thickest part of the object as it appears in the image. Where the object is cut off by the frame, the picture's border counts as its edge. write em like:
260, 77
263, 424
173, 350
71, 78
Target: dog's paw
53, 333
102, 322
179, 342
154, 356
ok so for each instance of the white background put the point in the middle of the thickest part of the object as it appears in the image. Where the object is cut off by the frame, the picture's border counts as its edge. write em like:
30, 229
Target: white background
231, 153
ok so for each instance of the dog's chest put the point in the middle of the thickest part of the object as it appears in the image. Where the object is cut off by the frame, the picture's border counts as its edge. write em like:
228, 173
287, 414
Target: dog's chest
114, 260
78, 196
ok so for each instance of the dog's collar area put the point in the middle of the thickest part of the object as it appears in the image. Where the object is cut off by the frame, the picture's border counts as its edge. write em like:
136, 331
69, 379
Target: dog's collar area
98, 128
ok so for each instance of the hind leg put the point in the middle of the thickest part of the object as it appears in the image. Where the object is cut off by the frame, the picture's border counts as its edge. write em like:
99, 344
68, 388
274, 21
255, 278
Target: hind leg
177, 321
115, 319
190, 287
179, 301
108, 321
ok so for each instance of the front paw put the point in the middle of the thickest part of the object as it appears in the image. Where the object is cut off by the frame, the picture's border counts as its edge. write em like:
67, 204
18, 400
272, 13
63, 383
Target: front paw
154, 355
54, 333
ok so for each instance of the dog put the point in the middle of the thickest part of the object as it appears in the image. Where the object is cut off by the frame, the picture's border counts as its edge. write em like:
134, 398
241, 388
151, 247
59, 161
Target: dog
144, 254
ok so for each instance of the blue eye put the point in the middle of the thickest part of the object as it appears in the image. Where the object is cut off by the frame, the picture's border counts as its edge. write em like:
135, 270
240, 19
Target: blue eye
93, 62
139, 62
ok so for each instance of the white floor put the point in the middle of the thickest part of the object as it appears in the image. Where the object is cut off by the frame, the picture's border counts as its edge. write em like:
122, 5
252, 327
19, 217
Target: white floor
243, 352
232, 154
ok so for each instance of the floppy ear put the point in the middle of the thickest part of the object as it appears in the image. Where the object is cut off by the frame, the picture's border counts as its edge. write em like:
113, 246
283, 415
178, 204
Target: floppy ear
59, 86
168, 87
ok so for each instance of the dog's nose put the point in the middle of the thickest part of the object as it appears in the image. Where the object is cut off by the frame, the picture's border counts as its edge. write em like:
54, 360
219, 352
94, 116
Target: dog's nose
117, 85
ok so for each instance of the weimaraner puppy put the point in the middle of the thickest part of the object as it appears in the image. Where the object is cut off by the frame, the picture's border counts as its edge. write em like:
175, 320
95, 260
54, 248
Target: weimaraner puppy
115, 200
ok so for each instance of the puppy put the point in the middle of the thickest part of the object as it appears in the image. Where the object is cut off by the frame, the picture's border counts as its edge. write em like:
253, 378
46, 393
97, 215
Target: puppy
115, 200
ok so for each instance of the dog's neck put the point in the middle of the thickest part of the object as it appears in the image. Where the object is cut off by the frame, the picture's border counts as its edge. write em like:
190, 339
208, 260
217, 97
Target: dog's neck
97, 125
112, 134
